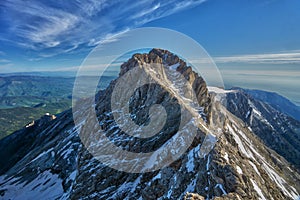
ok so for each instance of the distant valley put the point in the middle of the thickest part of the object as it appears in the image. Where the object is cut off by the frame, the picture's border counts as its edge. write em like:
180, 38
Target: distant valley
24, 98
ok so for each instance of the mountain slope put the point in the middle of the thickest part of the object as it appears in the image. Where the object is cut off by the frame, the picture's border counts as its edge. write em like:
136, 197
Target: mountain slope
56, 165
277, 130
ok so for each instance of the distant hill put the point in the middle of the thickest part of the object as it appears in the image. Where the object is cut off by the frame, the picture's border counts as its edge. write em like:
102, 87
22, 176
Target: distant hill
28, 91
42, 73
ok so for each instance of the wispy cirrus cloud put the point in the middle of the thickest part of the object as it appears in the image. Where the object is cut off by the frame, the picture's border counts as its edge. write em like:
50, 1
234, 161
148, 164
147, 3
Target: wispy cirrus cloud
110, 37
2, 53
6, 66
288, 57
4, 61
146, 12
38, 25
66, 26
165, 9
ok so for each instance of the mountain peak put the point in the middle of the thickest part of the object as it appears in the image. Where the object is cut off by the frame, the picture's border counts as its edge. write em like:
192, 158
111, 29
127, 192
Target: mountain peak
157, 56
170, 61
54, 161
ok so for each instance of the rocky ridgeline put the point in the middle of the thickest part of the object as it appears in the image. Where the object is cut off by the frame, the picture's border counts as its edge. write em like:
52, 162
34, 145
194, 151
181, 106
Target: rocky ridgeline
56, 164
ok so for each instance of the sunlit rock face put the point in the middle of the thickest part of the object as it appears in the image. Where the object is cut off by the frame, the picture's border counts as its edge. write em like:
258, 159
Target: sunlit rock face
57, 165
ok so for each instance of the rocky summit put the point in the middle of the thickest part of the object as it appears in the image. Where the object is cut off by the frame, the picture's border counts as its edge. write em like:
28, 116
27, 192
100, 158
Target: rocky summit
48, 160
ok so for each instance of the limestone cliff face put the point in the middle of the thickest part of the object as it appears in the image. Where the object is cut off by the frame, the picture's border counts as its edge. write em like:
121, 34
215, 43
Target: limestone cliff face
239, 166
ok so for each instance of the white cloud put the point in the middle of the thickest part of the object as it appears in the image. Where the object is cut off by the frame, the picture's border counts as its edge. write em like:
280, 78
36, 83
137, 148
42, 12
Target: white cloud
6, 67
168, 8
292, 57
38, 26
4, 61
186, 4
145, 12
289, 57
110, 37
263, 72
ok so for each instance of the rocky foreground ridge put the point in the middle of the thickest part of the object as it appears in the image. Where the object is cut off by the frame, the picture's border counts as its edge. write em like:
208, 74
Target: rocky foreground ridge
56, 165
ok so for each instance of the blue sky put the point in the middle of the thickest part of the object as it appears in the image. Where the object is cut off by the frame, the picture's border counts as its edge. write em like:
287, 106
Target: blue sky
256, 39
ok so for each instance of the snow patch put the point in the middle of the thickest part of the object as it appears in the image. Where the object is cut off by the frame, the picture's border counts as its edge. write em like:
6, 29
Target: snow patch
226, 157
279, 181
174, 67
169, 194
190, 164
191, 187
239, 170
135, 184
67, 152
207, 164
158, 176
258, 190
45, 186
256, 112
247, 114
254, 167
240, 143
220, 186
219, 90
42, 154
72, 176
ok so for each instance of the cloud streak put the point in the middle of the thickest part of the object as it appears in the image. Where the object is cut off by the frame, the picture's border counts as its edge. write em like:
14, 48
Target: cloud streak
4, 61
2, 53
291, 57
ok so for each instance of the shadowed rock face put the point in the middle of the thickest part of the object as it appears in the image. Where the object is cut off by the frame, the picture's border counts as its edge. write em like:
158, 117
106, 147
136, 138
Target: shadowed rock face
239, 167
